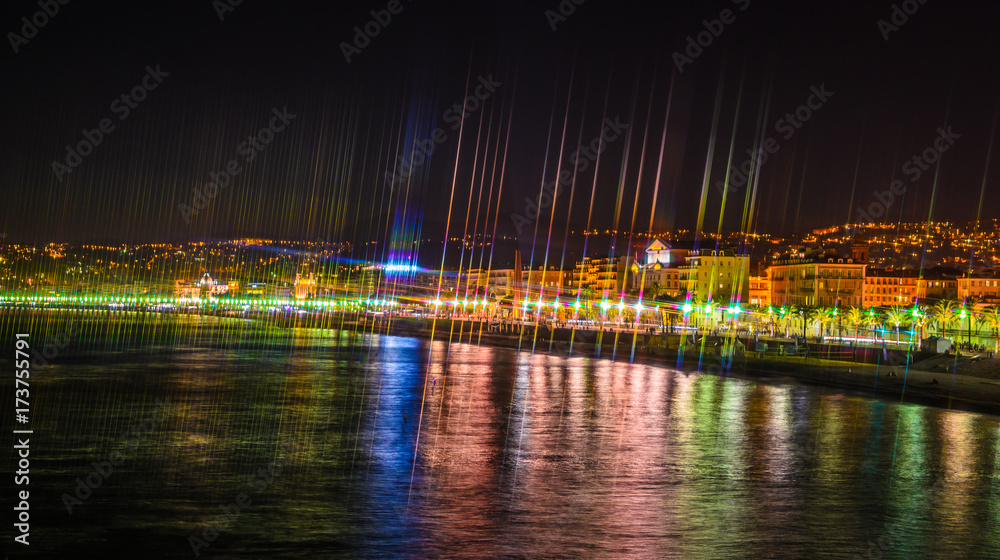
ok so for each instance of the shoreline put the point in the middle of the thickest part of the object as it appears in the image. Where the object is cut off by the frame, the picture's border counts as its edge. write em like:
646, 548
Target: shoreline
953, 390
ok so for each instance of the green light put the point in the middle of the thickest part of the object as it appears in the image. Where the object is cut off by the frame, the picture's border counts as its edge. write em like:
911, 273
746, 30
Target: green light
577, 304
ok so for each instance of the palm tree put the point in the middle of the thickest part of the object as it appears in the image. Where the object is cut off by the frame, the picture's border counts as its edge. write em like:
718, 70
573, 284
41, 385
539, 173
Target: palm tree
919, 315
655, 288
792, 311
855, 318
970, 303
586, 298
808, 315
896, 317
827, 318
991, 318
944, 314
873, 320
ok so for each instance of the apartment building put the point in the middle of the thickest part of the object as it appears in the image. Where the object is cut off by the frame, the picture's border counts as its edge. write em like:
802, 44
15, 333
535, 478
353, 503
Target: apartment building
760, 289
891, 288
604, 276
817, 280
716, 274
984, 286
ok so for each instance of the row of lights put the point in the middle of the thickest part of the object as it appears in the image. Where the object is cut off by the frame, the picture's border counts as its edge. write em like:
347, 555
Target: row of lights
113, 300
604, 305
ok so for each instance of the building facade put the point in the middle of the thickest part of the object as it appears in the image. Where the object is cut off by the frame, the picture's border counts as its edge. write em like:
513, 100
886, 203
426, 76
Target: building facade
818, 281
717, 275
891, 288
760, 290
984, 286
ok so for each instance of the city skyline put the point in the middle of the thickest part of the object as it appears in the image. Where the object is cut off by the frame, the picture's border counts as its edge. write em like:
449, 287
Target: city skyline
858, 117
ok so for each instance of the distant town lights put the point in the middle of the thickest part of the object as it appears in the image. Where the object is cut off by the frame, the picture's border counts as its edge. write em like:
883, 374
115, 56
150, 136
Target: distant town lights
401, 268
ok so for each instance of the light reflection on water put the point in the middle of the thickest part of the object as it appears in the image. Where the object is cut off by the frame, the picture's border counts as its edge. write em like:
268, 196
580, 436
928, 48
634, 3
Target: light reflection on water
500, 454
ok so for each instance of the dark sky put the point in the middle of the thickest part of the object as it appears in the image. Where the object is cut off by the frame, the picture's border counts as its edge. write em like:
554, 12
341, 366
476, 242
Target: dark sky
323, 176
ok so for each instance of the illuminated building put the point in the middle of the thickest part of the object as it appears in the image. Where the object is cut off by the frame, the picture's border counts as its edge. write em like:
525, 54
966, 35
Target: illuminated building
716, 274
891, 288
760, 289
985, 286
817, 280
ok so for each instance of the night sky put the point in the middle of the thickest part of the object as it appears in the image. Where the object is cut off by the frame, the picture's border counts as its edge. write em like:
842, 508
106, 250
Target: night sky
323, 176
